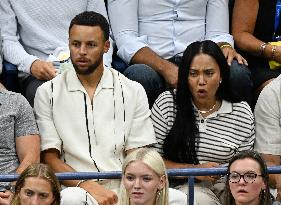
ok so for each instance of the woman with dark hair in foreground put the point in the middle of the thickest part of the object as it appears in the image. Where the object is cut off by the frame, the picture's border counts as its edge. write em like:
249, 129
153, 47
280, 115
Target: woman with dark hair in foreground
201, 124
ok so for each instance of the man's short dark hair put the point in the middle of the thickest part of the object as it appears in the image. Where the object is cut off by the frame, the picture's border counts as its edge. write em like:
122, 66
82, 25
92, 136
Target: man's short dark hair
91, 18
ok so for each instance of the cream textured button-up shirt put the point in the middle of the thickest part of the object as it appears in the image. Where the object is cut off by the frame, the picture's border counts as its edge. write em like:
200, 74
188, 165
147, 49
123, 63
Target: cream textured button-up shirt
93, 136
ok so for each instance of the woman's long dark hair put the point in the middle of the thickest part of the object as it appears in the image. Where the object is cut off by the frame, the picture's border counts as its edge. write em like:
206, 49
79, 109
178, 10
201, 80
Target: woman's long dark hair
265, 197
179, 145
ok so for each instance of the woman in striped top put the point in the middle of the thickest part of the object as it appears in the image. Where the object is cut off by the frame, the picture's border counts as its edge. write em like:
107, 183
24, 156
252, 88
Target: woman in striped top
201, 124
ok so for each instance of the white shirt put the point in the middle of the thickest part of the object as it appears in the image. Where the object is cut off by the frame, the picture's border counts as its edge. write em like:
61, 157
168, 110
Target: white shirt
32, 30
93, 137
268, 119
167, 26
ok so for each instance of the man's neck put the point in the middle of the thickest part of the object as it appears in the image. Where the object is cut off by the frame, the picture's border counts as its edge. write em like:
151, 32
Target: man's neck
91, 81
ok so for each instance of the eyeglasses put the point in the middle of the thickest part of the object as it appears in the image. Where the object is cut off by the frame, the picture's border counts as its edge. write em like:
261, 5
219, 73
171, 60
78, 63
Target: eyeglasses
248, 177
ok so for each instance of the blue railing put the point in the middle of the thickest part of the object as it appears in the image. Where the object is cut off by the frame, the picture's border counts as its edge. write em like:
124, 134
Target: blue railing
189, 172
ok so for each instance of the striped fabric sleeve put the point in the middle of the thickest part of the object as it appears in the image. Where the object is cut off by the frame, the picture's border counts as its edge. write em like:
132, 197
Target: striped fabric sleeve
162, 116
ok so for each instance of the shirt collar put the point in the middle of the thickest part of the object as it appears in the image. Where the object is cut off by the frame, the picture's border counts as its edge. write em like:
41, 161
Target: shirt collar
74, 84
226, 107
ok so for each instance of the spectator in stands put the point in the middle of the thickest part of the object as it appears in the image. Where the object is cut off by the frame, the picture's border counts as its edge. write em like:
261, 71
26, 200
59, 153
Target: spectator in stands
151, 37
20, 142
268, 128
90, 118
254, 25
32, 30
199, 124
247, 180
37, 185
145, 181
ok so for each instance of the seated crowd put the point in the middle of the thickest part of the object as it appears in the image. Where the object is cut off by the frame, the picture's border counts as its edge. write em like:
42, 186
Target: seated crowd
175, 94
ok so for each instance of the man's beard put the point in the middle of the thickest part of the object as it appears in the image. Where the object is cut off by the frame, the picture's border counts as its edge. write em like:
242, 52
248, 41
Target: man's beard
90, 69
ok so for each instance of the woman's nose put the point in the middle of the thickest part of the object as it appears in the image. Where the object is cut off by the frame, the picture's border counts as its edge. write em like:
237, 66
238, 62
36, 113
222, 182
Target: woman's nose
201, 80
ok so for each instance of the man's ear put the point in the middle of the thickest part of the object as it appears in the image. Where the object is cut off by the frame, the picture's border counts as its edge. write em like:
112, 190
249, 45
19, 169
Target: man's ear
106, 46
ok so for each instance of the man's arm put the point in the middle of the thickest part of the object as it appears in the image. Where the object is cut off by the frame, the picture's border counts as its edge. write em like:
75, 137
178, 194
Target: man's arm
14, 51
167, 69
217, 29
101, 194
133, 48
28, 151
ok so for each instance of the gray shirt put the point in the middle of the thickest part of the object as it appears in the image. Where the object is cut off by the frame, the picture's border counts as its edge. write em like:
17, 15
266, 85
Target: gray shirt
16, 120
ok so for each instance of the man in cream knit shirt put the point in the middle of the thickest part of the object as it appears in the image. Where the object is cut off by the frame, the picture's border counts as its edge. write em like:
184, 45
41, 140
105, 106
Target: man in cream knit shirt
90, 117
32, 30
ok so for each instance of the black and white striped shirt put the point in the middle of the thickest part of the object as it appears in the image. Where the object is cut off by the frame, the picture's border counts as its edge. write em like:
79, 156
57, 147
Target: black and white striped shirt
221, 134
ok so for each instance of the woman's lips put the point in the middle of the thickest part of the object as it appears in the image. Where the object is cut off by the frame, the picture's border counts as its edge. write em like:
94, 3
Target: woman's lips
202, 93
137, 194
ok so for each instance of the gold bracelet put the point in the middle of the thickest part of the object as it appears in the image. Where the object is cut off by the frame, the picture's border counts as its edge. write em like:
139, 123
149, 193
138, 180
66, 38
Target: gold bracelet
80, 182
262, 48
225, 46
273, 52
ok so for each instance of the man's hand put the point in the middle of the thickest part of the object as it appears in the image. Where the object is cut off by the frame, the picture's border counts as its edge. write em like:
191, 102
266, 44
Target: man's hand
101, 194
230, 54
5, 197
43, 70
207, 165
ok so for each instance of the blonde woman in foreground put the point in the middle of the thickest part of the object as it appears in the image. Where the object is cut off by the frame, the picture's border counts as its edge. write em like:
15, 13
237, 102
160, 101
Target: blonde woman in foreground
145, 181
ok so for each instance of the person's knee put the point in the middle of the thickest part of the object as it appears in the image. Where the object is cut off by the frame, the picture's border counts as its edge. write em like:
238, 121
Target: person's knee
153, 82
240, 73
76, 195
241, 82
142, 73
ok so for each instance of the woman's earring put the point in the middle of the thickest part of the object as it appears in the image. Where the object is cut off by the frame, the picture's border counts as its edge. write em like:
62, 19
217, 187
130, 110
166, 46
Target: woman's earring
220, 81
159, 192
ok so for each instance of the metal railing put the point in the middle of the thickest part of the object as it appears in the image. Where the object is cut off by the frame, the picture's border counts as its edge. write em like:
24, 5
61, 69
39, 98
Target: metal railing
188, 172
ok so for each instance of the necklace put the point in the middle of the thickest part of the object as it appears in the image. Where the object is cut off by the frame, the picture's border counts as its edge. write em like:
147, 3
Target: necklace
207, 111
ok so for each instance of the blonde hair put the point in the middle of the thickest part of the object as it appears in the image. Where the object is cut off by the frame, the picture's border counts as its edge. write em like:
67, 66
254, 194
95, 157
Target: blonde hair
42, 171
155, 162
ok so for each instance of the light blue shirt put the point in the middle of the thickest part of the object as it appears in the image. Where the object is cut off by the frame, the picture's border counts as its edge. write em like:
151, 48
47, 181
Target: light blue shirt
32, 30
167, 26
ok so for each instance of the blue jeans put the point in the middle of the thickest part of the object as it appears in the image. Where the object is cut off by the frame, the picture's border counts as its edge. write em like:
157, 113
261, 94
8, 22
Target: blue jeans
154, 84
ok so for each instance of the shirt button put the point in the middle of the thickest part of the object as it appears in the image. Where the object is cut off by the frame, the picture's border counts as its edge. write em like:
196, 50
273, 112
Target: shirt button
202, 121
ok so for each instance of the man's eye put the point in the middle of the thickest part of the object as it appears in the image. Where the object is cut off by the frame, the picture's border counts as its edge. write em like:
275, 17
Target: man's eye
29, 193
75, 44
91, 45
43, 195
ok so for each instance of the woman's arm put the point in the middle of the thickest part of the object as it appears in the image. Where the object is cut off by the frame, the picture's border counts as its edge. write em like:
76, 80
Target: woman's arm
243, 25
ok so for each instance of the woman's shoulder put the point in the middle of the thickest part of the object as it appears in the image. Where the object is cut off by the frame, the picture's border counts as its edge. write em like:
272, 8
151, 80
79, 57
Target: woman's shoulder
242, 106
242, 110
165, 99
